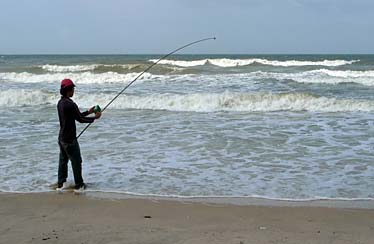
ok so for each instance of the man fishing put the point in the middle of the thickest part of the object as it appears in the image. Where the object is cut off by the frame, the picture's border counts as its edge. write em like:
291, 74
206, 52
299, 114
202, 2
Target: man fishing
68, 112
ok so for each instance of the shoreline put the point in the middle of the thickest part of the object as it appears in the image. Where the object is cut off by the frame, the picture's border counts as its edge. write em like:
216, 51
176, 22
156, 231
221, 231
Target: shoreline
227, 200
70, 218
243, 201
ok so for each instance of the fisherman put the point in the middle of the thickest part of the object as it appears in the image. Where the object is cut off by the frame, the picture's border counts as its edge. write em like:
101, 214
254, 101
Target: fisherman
68, 112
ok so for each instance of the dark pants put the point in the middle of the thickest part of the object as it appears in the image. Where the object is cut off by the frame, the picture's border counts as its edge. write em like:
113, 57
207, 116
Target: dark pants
70, 151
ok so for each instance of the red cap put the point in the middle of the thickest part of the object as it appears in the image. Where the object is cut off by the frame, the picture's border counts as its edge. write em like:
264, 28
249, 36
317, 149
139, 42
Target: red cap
66, 83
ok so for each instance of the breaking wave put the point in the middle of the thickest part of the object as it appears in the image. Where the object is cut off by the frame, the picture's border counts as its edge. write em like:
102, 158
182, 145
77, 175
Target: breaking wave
322, 76
79, 78
197, 102
344, 73
224, 62
137, 67
68, 68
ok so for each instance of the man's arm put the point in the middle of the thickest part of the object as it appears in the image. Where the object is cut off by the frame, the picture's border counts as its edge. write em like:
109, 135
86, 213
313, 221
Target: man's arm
80, 117
87, 112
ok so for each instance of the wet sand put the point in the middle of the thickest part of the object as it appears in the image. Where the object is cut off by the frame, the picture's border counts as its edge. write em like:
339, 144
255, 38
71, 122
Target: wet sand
70, 218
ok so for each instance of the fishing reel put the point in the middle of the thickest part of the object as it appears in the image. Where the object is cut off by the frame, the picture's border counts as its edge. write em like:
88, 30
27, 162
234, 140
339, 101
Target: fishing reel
97, 109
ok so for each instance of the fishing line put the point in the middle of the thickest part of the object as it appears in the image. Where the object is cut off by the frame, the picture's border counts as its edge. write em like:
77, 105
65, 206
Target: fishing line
149, 67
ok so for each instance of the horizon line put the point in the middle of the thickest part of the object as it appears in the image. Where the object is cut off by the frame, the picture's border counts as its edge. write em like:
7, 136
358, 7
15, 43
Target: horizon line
128, 54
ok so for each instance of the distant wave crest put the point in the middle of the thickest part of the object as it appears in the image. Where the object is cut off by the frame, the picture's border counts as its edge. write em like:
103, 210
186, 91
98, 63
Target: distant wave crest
224, 62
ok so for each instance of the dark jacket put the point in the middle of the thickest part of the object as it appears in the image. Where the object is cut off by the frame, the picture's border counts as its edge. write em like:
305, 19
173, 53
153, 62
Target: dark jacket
68, 112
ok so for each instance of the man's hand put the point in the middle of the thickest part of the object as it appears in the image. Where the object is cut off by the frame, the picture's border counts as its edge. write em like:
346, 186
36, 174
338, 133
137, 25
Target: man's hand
91, 110
97, 115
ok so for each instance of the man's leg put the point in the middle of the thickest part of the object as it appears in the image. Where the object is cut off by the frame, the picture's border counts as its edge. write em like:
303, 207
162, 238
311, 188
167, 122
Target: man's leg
74, 154
62, 165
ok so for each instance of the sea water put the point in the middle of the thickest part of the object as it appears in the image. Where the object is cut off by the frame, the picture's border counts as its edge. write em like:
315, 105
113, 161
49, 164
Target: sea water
273, 126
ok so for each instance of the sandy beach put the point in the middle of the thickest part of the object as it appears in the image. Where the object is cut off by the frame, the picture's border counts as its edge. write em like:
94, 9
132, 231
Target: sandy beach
69, 218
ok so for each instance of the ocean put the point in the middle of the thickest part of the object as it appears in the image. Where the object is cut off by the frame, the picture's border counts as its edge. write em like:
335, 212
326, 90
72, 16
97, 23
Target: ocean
289, 127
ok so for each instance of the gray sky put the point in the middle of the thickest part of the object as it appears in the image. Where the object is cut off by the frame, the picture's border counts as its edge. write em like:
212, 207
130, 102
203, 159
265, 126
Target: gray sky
159, 26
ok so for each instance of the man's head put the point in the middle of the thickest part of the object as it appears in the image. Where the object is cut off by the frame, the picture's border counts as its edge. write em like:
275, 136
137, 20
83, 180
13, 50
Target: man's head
67, 88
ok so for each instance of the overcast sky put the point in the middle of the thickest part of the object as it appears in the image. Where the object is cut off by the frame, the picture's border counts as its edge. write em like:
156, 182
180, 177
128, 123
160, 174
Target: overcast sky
159, 26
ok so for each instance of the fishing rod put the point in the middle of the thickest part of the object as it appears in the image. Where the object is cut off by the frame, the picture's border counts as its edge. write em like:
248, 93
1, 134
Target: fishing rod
149, 67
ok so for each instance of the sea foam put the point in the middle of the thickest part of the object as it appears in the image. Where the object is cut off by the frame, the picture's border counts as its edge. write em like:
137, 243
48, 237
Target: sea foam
196, 102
